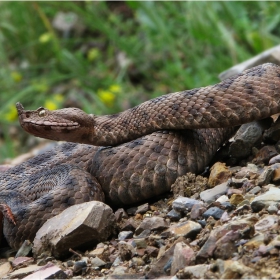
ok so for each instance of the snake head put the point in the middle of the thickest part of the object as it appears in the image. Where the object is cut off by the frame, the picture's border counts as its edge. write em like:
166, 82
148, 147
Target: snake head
69, 124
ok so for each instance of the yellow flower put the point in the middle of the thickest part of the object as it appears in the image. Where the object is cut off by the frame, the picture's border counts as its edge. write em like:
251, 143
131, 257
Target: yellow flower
11, 115
50, 105
106, 97
92, 54
115, 88
45, 38
53, 104
16, 76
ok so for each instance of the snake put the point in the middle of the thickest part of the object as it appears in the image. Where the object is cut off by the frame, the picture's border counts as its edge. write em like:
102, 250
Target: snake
131, 156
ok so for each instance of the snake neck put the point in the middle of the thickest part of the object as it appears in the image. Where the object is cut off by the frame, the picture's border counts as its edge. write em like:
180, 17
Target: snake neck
252, 95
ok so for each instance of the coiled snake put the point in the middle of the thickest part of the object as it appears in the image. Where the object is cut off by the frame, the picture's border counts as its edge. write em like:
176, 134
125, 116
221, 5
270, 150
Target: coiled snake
158, 141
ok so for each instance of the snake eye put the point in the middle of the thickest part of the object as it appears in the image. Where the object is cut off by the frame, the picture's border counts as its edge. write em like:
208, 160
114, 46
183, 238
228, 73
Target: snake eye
42, 113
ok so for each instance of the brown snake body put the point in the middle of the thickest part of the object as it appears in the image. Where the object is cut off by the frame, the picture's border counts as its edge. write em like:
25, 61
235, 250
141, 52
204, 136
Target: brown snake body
197, 122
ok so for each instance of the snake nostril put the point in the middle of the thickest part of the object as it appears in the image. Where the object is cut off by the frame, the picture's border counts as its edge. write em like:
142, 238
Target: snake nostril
27, 115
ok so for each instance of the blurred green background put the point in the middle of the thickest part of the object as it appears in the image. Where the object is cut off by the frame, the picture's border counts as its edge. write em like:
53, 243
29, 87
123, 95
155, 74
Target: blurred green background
108, 56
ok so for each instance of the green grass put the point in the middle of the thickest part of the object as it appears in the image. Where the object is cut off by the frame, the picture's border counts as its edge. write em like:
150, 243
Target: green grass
120, 54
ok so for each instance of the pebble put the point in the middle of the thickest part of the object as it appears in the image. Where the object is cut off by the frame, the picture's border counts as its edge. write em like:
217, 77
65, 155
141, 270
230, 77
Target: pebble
272, 196
219, 174
184, 204
193, 272
96, 262
174, 215
266, 223
236, 199
153, 223
211, 195
125, 235
187, 229
215, 212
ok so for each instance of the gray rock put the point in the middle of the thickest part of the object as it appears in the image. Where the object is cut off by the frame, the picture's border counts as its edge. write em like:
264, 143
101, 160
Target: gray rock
270, 55
81, 224
96, 262
125, 235
272, 196
184, 204
174, 215
183, 256
79, 267
265, 177
255, 190
140, 243
212, 194
215, 212
153, 223
119, 214
24, 250
142, 208
246, 137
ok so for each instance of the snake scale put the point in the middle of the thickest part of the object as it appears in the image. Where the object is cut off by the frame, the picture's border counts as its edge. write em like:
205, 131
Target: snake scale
131, 156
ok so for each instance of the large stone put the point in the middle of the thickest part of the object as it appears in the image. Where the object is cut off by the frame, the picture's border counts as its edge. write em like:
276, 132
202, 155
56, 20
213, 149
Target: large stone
187, 229
184, 204
81, 224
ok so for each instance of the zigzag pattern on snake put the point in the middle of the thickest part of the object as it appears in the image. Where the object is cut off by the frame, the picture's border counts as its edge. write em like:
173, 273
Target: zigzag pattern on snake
193, 126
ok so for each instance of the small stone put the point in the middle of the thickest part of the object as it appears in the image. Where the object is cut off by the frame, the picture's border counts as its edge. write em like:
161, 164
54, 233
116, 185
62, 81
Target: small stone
153, 223
120, 214
266, 223
183, 256
126, 251
117, 261
19, 261
125, 235
255, 190
265, 154
265, 177
131, 211
174, 215
49, 271
211, 195
129, 225
273, 160
152, 251
184, 204
96, 252
24, 250
197, 211
138, 261
193, 272
272, 196
96, 262
222, 199
5, 268
227, 206
120, 270
167, 266
236, 199
79, 267
215, 212
272, 209
255, 242
144, 234
219, 174
276, 175
140, 243
142, 209
187, 229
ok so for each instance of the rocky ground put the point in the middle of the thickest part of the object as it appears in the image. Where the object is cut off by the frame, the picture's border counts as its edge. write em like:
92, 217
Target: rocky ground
223, 225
